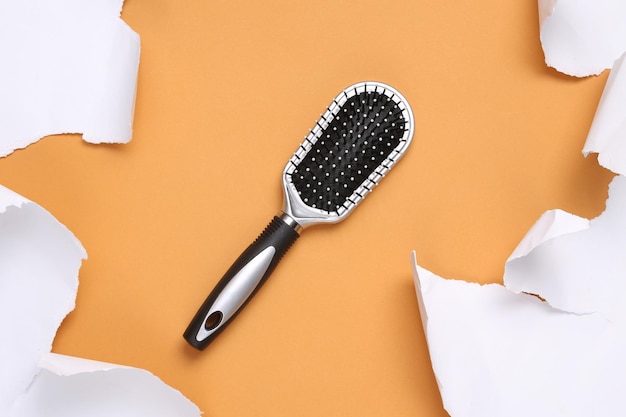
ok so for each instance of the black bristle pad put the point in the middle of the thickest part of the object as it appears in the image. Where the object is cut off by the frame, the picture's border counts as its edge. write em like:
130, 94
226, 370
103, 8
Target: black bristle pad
363, 133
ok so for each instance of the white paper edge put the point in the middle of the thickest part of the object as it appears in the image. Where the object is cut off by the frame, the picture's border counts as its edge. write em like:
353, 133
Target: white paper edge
607, 134
582, 37
105, 113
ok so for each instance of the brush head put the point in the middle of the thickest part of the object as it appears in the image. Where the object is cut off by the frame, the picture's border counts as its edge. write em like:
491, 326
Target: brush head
362, 134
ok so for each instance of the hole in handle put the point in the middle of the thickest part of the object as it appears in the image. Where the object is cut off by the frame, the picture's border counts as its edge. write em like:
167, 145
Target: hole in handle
213, 320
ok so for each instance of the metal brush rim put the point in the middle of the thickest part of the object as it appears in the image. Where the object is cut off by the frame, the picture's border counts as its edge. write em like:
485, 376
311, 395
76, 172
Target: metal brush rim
305, 215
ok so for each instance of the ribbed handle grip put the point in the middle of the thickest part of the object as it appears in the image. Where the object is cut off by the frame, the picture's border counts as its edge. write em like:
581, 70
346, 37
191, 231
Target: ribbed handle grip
242, 280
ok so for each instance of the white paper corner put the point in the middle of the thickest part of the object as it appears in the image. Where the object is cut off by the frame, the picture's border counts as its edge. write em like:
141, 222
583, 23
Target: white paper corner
607, 135
74, 387
551, 224
81, 79
39, 263
582, 37
499, 350
579, 272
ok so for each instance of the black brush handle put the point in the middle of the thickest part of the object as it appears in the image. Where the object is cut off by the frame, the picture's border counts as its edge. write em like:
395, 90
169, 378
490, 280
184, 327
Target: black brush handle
240, 283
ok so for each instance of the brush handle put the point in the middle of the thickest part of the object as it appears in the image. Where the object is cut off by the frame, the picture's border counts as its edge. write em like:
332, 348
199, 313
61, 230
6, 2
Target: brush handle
240, 283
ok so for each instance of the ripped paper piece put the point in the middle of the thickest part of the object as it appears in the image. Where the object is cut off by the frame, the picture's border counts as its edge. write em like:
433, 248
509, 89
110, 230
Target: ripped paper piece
582, 37
69, 66
74, 387
581, 272
607, 135
501, 351
39, 264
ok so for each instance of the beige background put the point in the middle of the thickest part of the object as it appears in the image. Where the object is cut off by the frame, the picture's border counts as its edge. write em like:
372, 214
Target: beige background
227, 90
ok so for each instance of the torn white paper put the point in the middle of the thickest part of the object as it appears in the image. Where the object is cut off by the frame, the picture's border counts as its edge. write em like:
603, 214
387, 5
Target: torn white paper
39, 263
68, 66
581, 272
582, 37
607, 135
551, 224
497, 351
74, 387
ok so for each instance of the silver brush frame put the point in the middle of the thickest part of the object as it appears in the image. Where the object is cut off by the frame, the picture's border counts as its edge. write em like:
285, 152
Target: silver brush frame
300, 215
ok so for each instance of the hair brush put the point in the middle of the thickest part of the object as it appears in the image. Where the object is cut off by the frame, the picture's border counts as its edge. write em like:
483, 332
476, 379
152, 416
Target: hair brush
363, 133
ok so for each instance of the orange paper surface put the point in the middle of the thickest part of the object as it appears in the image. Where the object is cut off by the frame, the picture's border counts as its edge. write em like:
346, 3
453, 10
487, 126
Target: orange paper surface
226, 92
